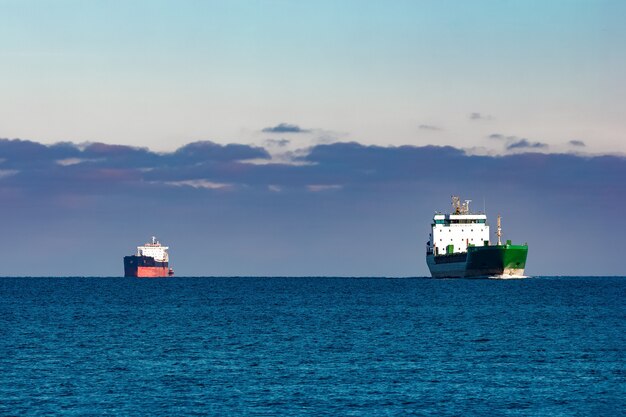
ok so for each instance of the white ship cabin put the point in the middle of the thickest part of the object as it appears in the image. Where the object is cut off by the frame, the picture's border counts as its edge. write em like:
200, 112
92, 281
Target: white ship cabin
453, 233
154, 250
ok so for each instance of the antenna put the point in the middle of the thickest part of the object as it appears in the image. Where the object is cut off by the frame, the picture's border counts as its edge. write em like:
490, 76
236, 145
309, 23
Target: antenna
484, 206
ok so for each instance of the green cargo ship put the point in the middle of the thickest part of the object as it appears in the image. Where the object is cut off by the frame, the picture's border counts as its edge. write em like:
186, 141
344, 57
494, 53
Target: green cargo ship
459, 247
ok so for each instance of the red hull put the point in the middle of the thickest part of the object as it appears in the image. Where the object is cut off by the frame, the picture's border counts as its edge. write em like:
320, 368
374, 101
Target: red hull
152, 272
143, 266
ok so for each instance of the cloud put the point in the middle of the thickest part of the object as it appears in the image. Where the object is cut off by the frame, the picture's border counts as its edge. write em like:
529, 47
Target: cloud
525, 144
480, 116
578, 143
429, 127
323, 187
7, 172
29, 153
500, 136
285, 128
209, 151
73, 161
349, 162
209, 185
514, 142
281, 143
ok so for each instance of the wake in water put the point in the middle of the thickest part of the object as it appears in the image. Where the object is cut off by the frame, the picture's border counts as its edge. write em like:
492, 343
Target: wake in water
508, 277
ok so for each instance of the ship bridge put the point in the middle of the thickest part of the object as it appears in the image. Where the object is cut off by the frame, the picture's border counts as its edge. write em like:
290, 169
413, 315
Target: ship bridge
459, 218
154, 250
454, 232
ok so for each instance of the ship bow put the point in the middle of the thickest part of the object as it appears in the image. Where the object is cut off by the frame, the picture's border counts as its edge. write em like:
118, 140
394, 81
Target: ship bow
496, 261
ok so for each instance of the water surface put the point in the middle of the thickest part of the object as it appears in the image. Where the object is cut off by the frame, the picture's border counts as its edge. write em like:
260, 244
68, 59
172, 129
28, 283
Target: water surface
323, 346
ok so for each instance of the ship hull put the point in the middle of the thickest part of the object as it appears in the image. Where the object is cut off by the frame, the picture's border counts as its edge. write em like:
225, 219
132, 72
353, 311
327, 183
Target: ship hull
498, 261
145, 267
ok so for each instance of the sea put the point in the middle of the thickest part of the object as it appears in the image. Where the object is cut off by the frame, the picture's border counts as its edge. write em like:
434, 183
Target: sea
541, 346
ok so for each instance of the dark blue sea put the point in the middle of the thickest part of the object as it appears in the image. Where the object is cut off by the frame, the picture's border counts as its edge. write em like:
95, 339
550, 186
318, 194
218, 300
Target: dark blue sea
543, 346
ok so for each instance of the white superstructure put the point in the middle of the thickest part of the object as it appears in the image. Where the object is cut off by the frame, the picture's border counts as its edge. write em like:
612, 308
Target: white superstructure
454, 232
154, 250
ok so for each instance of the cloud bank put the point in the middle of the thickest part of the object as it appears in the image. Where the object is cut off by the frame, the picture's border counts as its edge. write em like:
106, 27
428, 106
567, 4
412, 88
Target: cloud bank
340, 208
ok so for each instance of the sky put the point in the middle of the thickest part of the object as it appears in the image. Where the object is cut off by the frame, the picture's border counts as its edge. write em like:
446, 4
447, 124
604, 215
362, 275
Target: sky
308, 137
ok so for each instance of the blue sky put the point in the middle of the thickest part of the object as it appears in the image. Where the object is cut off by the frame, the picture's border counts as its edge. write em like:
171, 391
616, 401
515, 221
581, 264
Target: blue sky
162, 73
307, 138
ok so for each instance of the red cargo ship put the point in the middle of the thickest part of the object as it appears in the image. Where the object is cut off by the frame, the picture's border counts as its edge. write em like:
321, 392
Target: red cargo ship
151, 261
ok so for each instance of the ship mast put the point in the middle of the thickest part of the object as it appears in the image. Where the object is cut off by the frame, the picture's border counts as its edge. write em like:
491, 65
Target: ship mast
466, 209
499, 232
456, 205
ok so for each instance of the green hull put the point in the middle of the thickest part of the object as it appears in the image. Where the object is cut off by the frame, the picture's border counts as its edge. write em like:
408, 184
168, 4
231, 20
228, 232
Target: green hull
497, 260
480, 261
